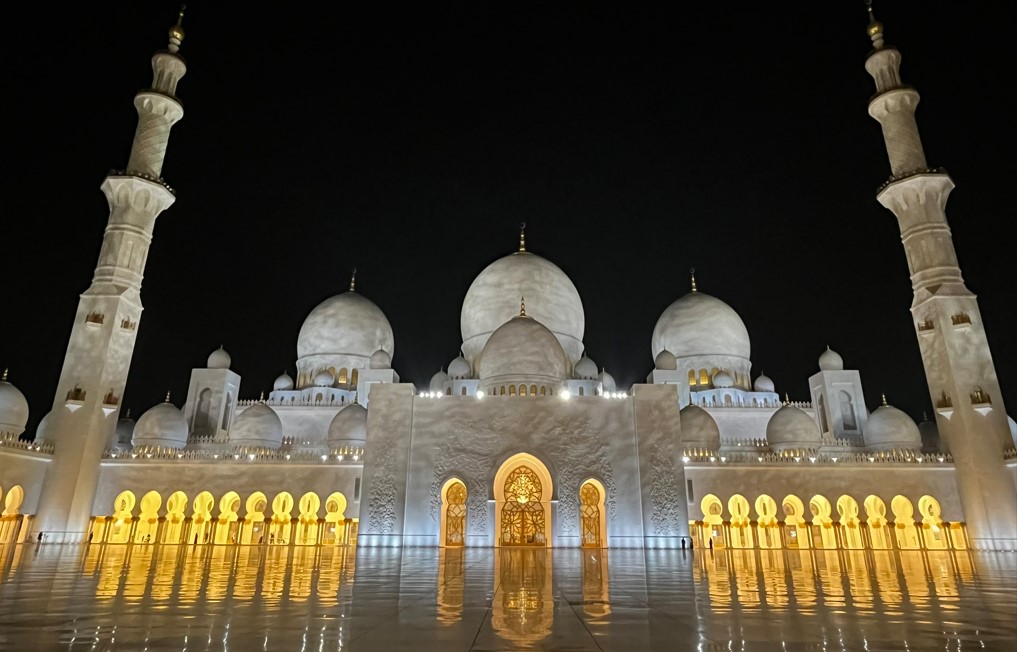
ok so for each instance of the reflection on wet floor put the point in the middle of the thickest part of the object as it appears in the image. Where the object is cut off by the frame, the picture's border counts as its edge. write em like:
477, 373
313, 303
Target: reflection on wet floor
121, 597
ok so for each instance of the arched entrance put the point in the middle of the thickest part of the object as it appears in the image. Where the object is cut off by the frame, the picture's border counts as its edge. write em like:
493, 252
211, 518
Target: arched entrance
453, 515
591, 514
522, 490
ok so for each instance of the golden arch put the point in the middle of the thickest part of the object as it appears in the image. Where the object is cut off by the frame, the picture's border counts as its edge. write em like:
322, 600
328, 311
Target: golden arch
904, 523
934, 531
823, 534
336, 527
875, 519
176, 505
767, 525
795, 529
592, 496
282, 508
201, 517
307, 525
227, 529
123, 517
740, 528
522, 493
148, 523
254, 528
850, 524
15, 497
11, 527
453, 513
712, 532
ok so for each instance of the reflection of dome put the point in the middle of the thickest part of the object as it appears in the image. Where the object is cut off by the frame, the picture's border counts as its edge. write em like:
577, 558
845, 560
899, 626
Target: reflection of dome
665, 361
523, 349
493, 299
830, 360
459, 368
283, 383
324, 378
438, 381
888, 428
699, 430
380, 359
790, 427
586, 369
162, 425
258, 425
698, 324
13, 408
763, 384
346, 324
349, 427
722, 379
219, 359
607, 381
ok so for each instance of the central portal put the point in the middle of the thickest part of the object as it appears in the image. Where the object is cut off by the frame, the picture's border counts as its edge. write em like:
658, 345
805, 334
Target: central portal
523, 497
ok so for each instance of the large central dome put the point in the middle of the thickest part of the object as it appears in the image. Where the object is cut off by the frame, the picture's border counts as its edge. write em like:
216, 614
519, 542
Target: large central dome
347, 324
551, 299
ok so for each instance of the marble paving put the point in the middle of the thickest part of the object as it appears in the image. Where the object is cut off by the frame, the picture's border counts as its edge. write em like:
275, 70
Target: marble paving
120, 597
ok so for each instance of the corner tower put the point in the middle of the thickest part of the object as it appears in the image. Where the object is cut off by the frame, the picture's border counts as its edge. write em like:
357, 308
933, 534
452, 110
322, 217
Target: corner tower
958, 364
105, 326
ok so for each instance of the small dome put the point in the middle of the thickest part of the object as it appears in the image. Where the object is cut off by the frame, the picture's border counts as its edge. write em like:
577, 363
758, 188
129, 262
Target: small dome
763, 384
346, 324
124, 432
607, 381
438, 381
665, 361
523, 348
929, 431
162, 425
791, 427
830, 360
459, 368
722, 379
888, 428
13, 408
324, 378
283, 383
699, 430
258, 425
586, 368
349, 427
42, 434
219, 359
380, 359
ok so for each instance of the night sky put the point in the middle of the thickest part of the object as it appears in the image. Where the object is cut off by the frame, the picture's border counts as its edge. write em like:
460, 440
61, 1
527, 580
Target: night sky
410, 141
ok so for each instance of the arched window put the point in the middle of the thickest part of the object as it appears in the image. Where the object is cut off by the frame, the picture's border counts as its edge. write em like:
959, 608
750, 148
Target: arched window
512, 390
463, 392
704, 378
589, 510
692, 377
448, 391
533, 390
543, 391
502, 392
582, 392
824, 424
522, 390
228, 412
342, 376
847, 411
455, 514
202, 423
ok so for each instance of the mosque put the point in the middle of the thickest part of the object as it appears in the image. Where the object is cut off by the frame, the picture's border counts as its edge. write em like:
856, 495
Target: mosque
524, 440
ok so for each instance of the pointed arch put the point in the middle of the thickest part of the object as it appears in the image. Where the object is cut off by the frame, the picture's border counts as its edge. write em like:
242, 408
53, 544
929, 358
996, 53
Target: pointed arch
875, 514
904, 523
850, 523
148, 521
593, 518
740, 526
767, 526
453, 513
522, 493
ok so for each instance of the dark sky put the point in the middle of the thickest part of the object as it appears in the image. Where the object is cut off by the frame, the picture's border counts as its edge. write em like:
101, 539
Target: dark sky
410, 141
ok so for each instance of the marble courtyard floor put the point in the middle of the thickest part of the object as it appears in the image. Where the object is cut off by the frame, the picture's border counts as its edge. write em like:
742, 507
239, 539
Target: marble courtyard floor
120, 597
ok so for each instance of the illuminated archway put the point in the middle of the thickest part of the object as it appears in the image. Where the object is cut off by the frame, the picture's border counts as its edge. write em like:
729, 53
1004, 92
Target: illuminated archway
148, 523
823, 534
254, 519
741, 524
453, 513
591, 514
933, 530
123, 518
875, 513
767, 526
904, 523
227, 529
176, 505
307, 522
12, 504
522, 492
850, 524
712, 532
201, 517
282, 509
336, 528
795, 529
10, 520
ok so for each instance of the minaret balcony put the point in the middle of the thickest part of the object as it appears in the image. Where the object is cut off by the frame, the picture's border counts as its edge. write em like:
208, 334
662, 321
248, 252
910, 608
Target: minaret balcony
961, 321
944, 405
926, 327
981, 402
75, 398
110, 403
95, 318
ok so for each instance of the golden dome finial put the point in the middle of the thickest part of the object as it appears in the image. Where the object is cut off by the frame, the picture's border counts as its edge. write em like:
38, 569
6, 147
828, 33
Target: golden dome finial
353, 280
875, 28
4, 378
787, 399
884, 400
522, 236
522, 306
176, 33
167, 396
261, 397
692, 276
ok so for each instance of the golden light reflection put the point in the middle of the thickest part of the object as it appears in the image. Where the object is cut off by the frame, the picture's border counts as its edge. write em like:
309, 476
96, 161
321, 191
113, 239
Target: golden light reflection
522, 610
451, 584
596, 591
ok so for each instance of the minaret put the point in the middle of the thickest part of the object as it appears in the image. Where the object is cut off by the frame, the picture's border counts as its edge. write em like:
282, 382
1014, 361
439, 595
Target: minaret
102, 338
951, 336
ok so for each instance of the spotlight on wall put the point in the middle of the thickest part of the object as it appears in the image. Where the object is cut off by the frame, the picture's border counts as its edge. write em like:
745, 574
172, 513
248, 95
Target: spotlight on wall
565, 394
480, 393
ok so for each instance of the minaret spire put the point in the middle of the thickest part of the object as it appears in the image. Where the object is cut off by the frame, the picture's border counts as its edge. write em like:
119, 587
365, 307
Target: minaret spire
353, 280
522, 237
692, 278
522, 306
948, 324
176, 33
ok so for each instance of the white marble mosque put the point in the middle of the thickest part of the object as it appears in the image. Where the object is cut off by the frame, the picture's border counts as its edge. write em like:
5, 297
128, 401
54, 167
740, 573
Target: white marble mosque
524, 440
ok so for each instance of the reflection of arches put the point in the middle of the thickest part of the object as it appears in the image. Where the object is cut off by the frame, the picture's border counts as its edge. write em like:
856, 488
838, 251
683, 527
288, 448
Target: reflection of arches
591, 514
453, 513
850, 524
875, 513
228, 528
766, 522
847, 411
795, 529
523, 491
253, 530
176, 505
933, 530
282, 508
148, 522
523, 605
741, 530
823, 534
201, 517
336, 531
307, 527
123, 517
824, 422
712, 534
904, 523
